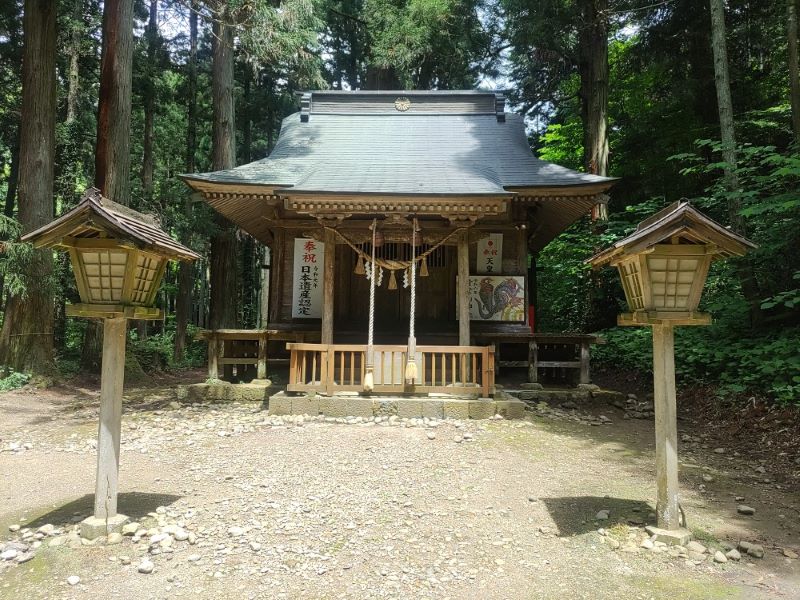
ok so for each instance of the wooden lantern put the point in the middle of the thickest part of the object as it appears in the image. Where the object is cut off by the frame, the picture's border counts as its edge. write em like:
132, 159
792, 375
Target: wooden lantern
118, 256
663, 266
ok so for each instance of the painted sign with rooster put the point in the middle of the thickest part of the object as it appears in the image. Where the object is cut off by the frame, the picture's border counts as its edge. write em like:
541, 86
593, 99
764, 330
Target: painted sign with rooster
497, 298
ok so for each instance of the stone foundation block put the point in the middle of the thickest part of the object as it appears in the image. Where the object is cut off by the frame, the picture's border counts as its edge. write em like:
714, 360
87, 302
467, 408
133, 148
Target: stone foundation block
456, 409
280, 404
358, 407
511, 409
433, 409
385, 408
672, 537
410, 408
305, 405
94, 527
333, 407
481, 409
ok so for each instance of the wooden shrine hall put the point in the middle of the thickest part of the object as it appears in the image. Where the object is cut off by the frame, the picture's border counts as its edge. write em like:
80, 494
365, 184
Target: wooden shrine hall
400, 225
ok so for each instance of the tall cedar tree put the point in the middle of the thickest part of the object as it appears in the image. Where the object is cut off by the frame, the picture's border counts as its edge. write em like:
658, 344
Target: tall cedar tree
794, 69
112, 161
223, 308
26, 340
183, 304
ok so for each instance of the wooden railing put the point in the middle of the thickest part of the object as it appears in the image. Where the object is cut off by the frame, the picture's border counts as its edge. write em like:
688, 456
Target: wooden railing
331, 368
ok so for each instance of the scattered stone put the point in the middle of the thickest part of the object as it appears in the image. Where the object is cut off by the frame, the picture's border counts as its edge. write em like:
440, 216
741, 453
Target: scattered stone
647, 544
719, 557
612, 542
46, 529
694, 546
125, 560
13, 528
719, 450
754, 550
235, 531
194, 557
733, 554
130, 528
431, 434
602, 515
145, 567
458, 438
114, 537
255, 546
23, 558
181, 535
73, 580
790, 553
707, 478
743, 509
9, 554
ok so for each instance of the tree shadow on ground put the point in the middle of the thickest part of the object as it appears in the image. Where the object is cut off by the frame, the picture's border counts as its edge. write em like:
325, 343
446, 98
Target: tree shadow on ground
135, 505
574, 515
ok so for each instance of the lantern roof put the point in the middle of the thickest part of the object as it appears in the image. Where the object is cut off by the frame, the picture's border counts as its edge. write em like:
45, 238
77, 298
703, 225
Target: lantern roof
97, 217
679, 223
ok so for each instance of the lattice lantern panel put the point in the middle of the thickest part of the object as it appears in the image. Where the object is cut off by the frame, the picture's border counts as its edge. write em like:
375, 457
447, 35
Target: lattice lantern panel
667, 278
117, 274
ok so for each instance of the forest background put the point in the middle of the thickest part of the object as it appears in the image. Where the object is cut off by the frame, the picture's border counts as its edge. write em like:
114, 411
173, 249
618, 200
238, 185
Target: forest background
678, 98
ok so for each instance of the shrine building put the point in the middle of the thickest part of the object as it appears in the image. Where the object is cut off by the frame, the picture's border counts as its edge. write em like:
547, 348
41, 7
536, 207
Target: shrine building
403, 228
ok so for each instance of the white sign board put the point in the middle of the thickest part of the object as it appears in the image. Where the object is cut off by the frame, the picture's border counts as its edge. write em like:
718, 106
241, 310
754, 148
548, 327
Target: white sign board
309, 256
490, 254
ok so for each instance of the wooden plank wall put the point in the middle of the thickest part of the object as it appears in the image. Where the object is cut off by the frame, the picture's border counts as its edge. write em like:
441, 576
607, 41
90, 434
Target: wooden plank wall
436, 302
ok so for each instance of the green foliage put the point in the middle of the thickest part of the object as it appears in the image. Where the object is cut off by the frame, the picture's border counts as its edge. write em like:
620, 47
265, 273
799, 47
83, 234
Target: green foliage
14, 256
13, 381
765, 365
156, 351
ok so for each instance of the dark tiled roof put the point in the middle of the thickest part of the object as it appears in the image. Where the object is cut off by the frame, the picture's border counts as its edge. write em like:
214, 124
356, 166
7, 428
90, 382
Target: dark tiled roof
445, 143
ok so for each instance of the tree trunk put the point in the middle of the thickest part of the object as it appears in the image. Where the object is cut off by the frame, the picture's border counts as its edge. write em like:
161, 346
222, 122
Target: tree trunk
593, 70
26, 340
13, 179
794, 75
728, 136
149, 105
183, 304
112, 153
73, 75
223, 243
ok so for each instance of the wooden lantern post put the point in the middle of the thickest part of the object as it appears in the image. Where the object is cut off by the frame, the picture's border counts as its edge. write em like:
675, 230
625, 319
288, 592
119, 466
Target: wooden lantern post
118, 257
663, 266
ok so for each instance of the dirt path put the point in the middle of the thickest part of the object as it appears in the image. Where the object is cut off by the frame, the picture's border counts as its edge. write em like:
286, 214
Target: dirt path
281, 509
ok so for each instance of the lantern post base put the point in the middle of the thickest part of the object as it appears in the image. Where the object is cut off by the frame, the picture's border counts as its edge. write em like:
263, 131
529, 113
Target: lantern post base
95, 527
671, 537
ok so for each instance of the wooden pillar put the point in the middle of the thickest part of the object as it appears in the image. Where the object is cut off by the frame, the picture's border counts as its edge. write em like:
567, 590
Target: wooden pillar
213, 355
585, 360
463, 288
533, 362
112, 378
261, 371
666, 425
327, 286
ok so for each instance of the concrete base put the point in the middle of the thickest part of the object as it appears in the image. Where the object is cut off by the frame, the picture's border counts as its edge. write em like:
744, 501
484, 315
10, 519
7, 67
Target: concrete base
671, 537
402, 407
93, 527
257, 390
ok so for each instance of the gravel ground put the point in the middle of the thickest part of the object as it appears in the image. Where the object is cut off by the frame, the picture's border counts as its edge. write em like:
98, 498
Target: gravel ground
233, 503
